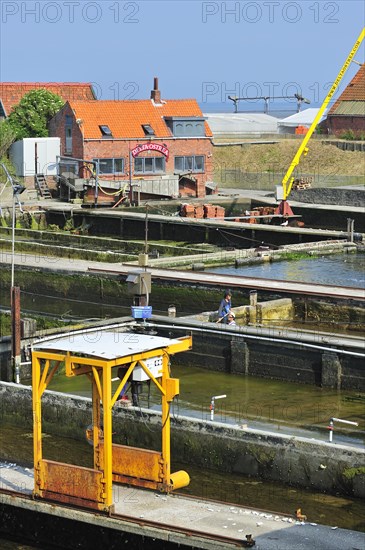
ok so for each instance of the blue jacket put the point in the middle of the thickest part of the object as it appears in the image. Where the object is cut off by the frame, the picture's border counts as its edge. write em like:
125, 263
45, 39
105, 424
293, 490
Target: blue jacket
223, 310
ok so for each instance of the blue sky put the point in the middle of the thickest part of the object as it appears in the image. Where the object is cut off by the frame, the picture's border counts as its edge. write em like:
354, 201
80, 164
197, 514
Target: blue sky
207, 50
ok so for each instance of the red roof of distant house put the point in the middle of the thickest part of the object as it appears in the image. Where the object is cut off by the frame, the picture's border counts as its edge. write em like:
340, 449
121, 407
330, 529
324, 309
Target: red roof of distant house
354, 91
12, 92
125, 118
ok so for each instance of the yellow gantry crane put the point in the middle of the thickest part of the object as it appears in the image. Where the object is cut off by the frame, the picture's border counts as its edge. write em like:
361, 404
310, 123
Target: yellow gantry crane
101, 355
287, 182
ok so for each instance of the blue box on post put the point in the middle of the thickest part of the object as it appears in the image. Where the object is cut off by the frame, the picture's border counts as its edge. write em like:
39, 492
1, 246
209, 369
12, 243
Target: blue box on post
141, 312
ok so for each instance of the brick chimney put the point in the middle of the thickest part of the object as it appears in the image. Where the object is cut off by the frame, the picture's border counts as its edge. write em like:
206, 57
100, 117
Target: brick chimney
155, 93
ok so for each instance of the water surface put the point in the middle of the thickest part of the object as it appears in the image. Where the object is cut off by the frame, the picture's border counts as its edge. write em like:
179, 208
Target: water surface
339, 270
282, 407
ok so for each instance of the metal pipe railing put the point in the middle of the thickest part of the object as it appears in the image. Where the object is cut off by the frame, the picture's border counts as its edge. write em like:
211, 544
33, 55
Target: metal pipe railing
331, 425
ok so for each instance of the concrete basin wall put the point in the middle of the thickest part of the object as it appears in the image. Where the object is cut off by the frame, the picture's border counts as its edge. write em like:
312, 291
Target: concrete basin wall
282, 354
292, 460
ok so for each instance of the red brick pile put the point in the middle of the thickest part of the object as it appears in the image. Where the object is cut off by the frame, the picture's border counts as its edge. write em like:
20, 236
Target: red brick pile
260, 211
201, 211
192, 210
213, 211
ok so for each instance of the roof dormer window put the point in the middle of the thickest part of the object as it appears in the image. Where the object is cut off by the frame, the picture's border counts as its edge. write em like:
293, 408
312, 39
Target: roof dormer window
148, 130
186, 126
105, 130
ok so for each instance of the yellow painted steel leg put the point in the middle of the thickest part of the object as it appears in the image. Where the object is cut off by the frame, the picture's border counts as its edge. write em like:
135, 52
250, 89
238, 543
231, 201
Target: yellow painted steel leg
165, 423
96, 423
107, 418
37, 424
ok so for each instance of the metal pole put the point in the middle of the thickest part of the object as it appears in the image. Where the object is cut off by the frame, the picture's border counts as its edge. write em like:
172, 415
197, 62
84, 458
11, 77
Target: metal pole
330, 427
130, 178
14, 291
12, 242
350, 230
146, 232
212, 409
97, 171
15, 333
212, 404
14, 304
332, 420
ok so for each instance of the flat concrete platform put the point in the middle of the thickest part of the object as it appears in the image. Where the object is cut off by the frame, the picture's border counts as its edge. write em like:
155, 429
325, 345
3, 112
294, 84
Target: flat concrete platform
185, 521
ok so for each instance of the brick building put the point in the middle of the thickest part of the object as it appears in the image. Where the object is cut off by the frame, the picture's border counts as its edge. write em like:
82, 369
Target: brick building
158, 138
348, 112
12, 92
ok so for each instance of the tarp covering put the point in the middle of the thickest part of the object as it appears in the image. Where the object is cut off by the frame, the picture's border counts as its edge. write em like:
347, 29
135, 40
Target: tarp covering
236, 124
303, 118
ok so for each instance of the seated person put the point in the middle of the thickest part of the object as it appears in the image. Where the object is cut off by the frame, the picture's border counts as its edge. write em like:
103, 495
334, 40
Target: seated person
231, 319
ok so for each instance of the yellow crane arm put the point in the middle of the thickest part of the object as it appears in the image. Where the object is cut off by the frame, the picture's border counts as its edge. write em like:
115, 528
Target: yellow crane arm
303, 149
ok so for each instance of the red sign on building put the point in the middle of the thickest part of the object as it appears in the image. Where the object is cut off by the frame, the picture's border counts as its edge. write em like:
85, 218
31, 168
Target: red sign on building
150, 147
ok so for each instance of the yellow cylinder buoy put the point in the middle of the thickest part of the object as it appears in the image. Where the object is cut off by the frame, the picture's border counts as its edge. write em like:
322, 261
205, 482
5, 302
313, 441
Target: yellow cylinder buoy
179, 479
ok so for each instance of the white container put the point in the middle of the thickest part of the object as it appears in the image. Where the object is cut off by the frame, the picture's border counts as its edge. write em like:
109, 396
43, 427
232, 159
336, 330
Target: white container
154, 365
42, 152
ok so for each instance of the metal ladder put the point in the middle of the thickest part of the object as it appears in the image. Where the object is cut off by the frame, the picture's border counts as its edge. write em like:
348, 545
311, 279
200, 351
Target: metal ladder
42, 187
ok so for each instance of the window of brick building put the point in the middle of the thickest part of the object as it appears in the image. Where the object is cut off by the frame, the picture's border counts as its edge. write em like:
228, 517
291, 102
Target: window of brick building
68, 134
111, 165
105, 130
148, 130
149, 165
189, 164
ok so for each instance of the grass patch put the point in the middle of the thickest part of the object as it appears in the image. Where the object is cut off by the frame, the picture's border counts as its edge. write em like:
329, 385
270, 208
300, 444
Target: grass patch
350, 473
43, 323
323, 159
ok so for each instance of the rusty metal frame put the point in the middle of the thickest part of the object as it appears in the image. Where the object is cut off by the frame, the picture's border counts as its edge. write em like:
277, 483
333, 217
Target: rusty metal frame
92, 487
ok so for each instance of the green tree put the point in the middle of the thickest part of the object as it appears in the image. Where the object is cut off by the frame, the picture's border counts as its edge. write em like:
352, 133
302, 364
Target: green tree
31, 116
7, 136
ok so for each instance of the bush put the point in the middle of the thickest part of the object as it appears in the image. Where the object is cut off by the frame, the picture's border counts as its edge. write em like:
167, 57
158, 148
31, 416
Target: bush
352, 135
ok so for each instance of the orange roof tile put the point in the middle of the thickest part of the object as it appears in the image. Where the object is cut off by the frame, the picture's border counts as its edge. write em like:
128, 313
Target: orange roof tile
354, 91
12, 92
125, 118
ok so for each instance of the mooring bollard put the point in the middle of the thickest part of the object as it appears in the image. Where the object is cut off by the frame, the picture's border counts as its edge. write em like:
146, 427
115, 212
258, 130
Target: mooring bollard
253, 298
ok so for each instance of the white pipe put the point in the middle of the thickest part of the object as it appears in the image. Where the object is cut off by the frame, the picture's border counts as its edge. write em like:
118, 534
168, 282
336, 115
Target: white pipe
331, 427
200, 329
345, 421
244, 335
212, 404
